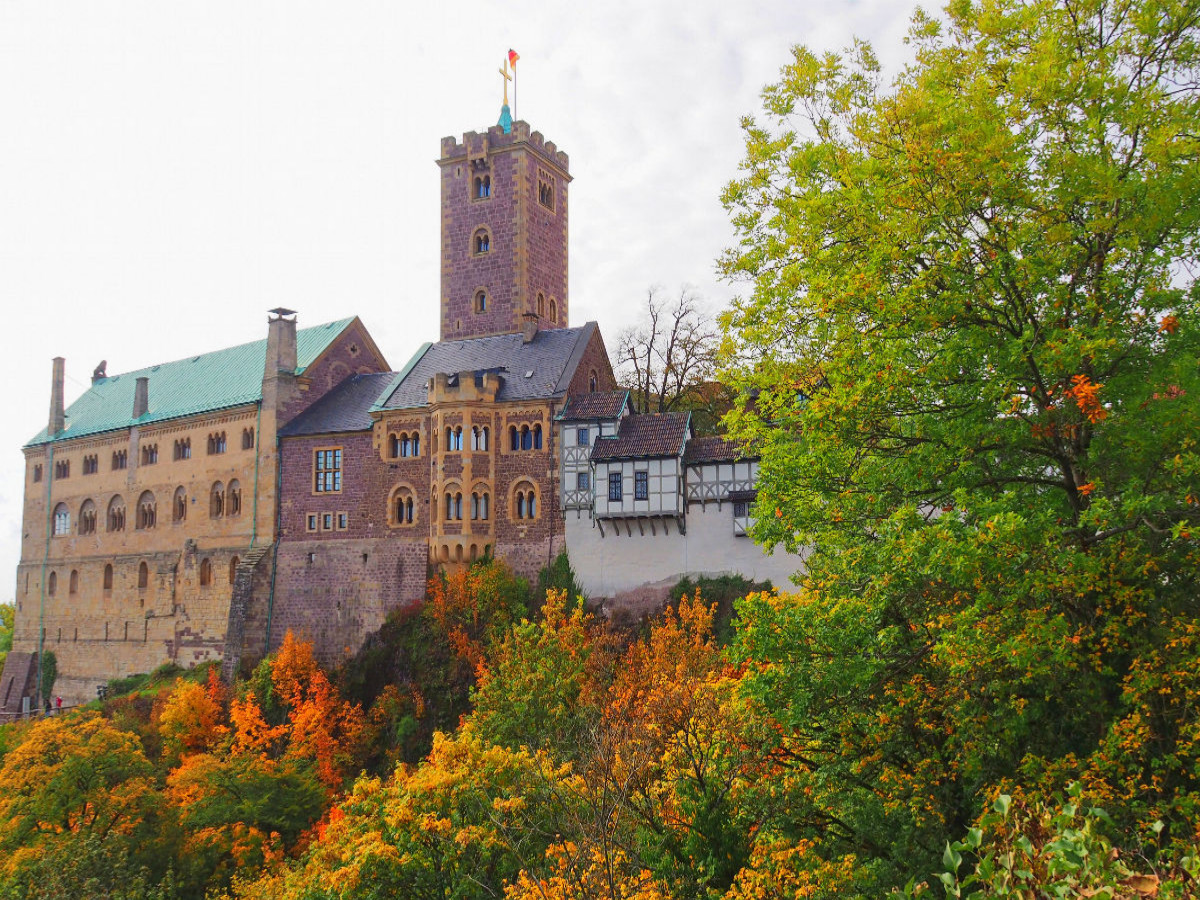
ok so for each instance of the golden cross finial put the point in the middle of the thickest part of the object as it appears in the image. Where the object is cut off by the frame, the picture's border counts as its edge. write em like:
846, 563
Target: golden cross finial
507, 78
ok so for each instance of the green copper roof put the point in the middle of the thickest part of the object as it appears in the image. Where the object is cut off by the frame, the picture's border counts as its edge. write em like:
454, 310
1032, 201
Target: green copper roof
506, 119
198, 384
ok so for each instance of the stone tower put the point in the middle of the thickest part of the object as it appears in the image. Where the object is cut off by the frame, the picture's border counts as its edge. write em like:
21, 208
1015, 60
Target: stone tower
504, 232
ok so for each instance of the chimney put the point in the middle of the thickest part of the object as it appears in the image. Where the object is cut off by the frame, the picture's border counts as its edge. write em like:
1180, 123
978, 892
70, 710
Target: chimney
529, 327
281, 342
141, 397
58, 416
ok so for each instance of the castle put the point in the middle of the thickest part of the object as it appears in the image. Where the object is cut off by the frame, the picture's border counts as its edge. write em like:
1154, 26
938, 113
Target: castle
198, 509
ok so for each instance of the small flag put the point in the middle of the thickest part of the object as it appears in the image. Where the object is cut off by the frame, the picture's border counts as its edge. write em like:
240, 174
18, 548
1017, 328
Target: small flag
513, 56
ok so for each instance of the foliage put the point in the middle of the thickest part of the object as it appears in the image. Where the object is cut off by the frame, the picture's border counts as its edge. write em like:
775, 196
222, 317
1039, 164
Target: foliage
89, 868
558, 576
70, 778
972, 335
8, 612
1059, 850
721, 591
462, 825
533, 691
49, 674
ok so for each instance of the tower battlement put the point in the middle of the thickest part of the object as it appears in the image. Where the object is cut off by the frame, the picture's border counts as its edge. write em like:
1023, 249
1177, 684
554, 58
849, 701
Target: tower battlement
475, 144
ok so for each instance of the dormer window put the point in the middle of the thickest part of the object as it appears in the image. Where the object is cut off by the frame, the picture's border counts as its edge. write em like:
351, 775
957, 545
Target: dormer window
482, 241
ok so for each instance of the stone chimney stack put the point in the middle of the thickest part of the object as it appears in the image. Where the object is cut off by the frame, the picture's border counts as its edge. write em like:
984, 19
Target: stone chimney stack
141, 397
58, 416
529, 327
281, 342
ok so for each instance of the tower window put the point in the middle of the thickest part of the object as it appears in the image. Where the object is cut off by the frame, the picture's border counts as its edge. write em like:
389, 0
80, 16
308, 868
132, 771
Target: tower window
62, 520
481, 242
143, 576
481, 303
546, 189
482, 187
541, 304
553, 310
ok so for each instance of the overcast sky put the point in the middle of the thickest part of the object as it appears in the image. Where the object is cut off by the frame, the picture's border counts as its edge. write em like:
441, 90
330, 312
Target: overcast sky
170, 171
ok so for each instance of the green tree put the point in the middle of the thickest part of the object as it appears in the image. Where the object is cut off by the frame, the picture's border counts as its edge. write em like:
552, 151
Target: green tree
7, 613
972, 335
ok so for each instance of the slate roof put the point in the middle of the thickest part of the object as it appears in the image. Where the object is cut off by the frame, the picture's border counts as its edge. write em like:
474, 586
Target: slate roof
712, 450
597, 405
640, 437
541, 369
198, 384
345, 408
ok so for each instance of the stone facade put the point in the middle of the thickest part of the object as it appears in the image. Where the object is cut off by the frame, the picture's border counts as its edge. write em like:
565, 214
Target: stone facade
504, 232
133, 536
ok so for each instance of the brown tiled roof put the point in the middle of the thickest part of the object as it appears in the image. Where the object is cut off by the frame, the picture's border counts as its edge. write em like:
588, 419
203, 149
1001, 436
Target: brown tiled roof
713, 449
645, 436
595, 405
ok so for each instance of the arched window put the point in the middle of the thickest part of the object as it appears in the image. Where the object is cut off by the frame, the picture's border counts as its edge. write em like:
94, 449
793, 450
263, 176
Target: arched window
108, 576
147, 510
525, 501
537, 437
453, 438
143, 576
526, 438
205, 572
394, 446
483, 438
87, 518
233, 564
481, 303
401, 506
62, 520
483, 187
482, 241
233, 499
216, 501
484, 506
553, 310
457, 506
592, 381
179, 505
52, 584
247, 438
541, 304
116, 514
416, 444
74, 582
514, 439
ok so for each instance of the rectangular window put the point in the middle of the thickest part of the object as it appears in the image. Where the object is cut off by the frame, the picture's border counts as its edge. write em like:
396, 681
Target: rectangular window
583, 438
327, 521
614, 487
741, 509
641, 485
312, 522
327, 471
343, 521
583, 481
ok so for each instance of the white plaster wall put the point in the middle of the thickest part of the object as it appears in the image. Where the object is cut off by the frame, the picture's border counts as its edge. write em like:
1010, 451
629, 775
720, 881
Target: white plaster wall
609, 565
